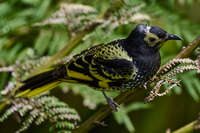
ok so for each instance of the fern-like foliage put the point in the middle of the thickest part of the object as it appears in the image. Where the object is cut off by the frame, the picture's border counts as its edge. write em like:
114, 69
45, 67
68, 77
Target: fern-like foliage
42, 109
166, 74
75, 16
34, 29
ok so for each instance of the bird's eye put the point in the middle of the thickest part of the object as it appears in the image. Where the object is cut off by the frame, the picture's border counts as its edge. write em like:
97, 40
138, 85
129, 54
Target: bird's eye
151, 39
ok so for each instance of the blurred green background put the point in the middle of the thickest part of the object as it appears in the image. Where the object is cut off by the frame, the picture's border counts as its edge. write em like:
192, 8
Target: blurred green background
24, 36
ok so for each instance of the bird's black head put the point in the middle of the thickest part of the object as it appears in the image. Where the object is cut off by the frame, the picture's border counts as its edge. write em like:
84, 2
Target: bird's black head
151, 36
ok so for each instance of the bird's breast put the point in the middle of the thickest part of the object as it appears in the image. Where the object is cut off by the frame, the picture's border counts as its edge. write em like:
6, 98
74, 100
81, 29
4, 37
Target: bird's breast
147, 66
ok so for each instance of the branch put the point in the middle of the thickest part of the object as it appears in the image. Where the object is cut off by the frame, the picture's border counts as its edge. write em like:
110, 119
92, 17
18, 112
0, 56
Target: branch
186, 51
101, 114
189, 49
105, 111
189, 128
6, 69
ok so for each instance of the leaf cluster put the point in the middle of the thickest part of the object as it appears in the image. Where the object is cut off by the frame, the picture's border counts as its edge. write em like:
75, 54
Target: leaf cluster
43, 109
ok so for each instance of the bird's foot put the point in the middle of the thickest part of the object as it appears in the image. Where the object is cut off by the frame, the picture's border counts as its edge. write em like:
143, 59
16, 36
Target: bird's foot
113, 105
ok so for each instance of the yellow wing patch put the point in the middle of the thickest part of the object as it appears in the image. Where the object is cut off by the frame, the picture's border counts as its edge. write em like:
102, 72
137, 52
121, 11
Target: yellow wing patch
77, 75
103, 84
77, 65
98, 76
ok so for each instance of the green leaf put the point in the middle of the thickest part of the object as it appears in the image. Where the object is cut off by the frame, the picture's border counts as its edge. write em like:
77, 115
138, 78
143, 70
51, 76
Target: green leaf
122, 115
136, 106
43, 42
189, 87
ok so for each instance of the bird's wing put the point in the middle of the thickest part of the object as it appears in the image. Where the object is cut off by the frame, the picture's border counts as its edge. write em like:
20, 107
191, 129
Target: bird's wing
102, 63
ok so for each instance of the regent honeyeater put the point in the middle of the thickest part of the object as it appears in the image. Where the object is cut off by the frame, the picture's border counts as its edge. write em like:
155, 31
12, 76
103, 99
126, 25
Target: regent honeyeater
122, 65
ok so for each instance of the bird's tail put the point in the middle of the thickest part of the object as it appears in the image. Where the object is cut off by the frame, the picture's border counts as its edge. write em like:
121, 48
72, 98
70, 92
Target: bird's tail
42, 82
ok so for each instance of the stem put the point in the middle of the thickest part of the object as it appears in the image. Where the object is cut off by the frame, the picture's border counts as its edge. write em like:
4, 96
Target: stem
189, 49
105, 111
101, 113
6, 69
189, 128
186, 51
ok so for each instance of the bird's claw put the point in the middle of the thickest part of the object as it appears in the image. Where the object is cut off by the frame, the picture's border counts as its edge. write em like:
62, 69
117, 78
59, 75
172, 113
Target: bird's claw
113, 105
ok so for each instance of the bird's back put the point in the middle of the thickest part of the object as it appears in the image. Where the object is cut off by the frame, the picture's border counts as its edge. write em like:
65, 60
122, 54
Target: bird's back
102, 66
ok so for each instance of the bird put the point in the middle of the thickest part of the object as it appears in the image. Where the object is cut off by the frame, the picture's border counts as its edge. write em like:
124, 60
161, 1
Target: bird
120, 65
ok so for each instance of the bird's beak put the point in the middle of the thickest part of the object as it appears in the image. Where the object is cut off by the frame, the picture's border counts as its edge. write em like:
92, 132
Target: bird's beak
173, 37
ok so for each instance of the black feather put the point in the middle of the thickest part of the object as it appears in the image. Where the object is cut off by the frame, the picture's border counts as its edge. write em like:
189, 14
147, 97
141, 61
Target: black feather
44, 78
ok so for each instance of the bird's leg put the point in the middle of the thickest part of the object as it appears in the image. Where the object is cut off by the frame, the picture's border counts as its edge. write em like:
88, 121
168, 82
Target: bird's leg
113, 105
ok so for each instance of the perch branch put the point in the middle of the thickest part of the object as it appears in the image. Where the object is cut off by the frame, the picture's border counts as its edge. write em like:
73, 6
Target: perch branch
189, 128
101, 114
186, 51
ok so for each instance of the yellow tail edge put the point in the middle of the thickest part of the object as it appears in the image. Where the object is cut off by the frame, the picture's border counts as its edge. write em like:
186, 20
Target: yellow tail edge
31, 93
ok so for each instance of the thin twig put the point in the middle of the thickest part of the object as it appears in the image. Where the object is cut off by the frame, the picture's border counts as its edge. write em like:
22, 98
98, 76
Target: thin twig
6, 69
189, 128
101, 114
105, 111
189, 49
186, 51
